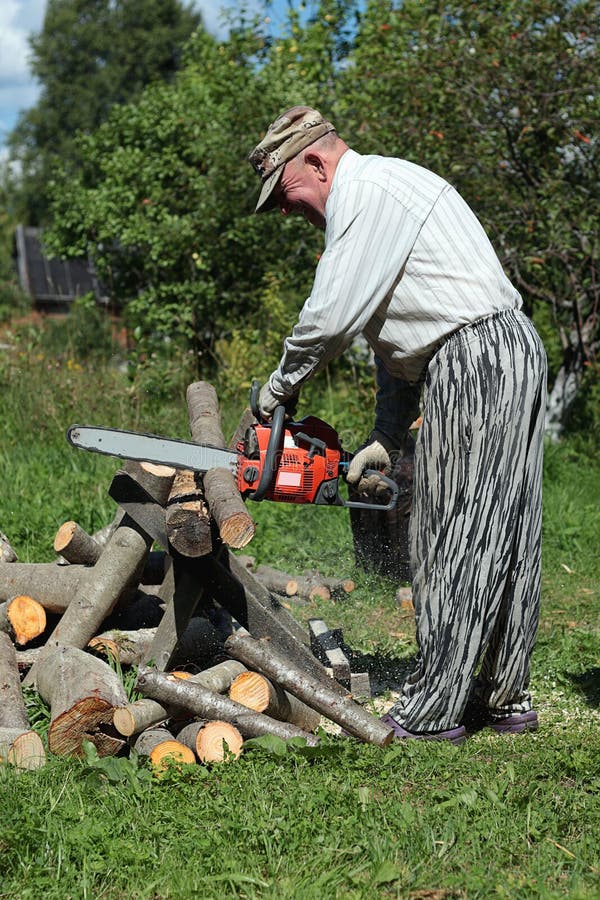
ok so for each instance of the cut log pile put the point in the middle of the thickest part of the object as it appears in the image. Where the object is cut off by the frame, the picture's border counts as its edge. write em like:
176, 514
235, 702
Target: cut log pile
220, 657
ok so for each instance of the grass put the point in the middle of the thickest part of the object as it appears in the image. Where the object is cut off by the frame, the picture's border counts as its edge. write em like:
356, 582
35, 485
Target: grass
498, 817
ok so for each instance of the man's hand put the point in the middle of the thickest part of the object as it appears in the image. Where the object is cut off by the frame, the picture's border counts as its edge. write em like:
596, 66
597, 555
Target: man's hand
267, 402
373, 454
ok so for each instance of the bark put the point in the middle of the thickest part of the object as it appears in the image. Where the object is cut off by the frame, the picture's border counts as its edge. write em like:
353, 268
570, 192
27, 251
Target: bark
114, 577
142, 491
258, 655
262, 614
189, 529
51, 585
83, 693
208, 740
161, 747
256, 692
135, 717
236, 526
75, 545
7, 554
22, 749
22, 617
12, 705
206, 704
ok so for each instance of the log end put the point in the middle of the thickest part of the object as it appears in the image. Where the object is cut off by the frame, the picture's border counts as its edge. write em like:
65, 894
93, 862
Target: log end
251, 690
168, 752
89, 719
64, 535
27, 618
218, 742
27, 751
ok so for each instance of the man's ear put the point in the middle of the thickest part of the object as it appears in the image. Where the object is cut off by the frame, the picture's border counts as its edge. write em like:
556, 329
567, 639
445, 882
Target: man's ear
316, 162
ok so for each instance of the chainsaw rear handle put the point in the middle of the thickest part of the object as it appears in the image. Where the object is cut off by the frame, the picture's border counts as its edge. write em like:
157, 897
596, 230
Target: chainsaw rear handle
269, 471
389, 482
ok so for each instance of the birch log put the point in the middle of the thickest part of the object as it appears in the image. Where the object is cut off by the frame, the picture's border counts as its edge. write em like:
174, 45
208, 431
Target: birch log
258, 655
208, 705
235, 524
83, 693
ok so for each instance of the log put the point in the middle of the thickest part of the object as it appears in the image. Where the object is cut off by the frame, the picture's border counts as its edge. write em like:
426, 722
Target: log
83, 693
236, 526
256, 692
135, 717
22, 617
262, 614
261, 657
22, 749
206, 704
276, 581
128, 647
214, 741
75, 545
162, 748
142, 491
115, 576
188, 524
51, 585
199, 644
7, 554
12, 705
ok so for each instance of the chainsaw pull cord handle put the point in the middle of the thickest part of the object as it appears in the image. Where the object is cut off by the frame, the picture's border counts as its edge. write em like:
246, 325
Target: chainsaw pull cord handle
271, 463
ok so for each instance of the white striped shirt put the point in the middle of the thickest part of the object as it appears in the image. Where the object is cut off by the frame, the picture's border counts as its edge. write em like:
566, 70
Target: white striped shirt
406, 262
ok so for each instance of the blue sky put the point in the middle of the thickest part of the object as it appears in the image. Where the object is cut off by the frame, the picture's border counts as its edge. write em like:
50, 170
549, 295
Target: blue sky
20, 18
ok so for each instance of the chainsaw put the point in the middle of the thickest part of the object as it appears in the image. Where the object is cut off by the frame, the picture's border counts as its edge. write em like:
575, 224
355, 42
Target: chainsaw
281, 460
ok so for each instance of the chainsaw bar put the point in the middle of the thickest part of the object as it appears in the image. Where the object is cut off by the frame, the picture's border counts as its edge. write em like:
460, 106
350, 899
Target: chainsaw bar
152, 448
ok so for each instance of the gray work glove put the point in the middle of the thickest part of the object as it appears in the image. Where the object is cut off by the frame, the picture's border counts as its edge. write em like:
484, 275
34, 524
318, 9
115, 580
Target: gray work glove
373, 454
268, 401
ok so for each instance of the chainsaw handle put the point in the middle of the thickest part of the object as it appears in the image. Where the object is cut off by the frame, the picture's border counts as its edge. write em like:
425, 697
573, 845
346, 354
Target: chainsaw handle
389, 482
271, 463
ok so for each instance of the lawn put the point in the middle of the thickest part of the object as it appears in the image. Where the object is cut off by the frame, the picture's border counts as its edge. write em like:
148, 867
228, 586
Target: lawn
498, 817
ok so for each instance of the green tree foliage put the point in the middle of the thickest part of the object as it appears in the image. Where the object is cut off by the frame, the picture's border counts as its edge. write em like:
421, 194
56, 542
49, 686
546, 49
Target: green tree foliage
89, 55
502, 99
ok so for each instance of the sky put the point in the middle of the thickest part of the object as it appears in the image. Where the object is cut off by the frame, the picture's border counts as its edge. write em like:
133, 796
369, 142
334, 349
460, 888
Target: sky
20, 18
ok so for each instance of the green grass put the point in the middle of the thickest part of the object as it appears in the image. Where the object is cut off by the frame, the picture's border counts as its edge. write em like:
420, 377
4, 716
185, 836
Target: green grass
498, 817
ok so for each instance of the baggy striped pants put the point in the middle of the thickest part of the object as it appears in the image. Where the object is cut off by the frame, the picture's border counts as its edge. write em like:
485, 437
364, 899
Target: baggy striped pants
476, 523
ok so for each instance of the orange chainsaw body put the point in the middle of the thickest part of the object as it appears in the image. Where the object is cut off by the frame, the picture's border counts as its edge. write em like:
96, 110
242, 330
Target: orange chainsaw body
306, 462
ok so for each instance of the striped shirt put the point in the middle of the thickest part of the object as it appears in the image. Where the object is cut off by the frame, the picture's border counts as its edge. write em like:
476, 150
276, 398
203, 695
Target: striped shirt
406, 263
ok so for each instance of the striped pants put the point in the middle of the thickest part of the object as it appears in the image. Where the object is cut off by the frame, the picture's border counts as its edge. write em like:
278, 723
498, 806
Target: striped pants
476, 524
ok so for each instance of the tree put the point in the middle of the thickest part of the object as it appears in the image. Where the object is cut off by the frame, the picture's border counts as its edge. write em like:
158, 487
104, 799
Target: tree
89, 55
503, 99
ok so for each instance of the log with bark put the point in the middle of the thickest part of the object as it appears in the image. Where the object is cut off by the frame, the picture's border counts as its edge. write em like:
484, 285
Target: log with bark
83, 693
7, 554
261, 657
235, 525
142, 491
115, 576
75, 545
51, 585
141, 714
206, 704
162, 748
255, 691
198, 646
188, 523
214, 741
19, 744
23, 618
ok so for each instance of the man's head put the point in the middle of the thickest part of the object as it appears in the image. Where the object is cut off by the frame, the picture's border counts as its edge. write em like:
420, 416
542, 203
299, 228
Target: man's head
296, 159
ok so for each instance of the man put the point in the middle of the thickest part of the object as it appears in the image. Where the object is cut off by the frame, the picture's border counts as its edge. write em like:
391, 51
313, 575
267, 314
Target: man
407, 264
